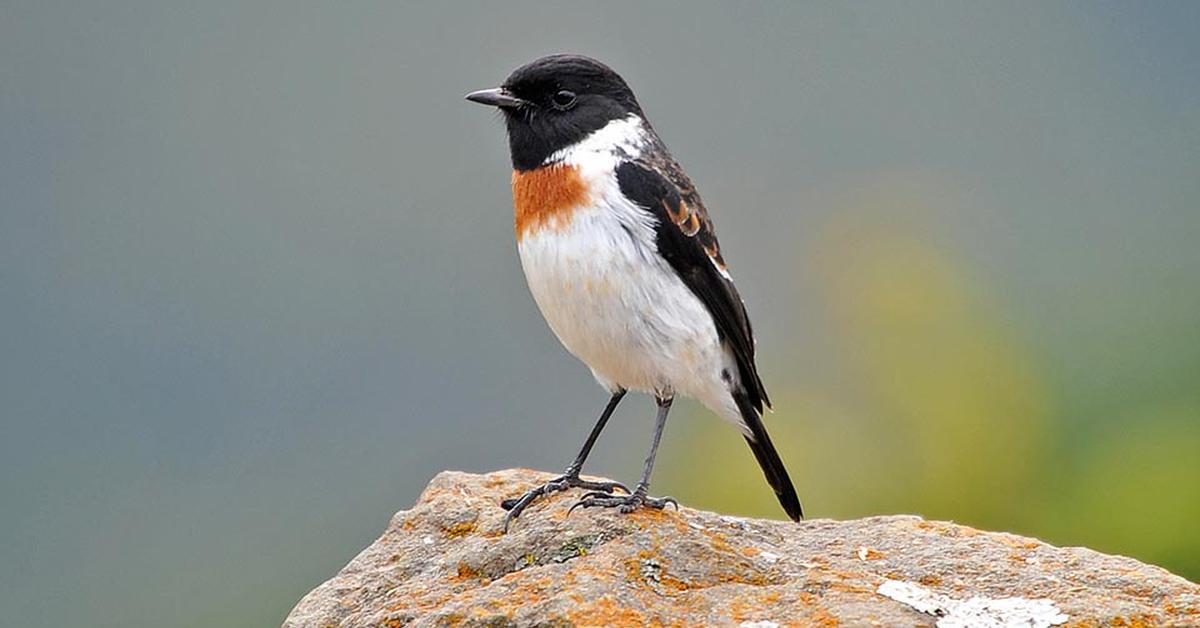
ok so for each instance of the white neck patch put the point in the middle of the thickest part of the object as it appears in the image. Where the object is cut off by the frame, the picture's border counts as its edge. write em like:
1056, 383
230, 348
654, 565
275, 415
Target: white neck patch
624, 137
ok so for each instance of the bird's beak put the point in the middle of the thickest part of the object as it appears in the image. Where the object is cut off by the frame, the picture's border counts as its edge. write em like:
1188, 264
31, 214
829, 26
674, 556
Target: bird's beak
497, 97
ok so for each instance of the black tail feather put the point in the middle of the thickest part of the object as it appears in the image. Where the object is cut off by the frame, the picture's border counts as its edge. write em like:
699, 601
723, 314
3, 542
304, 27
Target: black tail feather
768, 458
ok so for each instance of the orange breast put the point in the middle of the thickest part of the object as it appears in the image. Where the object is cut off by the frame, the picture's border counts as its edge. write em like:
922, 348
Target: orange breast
546, 198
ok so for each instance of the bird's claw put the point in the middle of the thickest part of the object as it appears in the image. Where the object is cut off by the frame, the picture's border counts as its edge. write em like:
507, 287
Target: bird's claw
624, 503
516, 505
603, 487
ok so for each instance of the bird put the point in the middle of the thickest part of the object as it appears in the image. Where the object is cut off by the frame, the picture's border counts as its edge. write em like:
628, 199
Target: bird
622, 260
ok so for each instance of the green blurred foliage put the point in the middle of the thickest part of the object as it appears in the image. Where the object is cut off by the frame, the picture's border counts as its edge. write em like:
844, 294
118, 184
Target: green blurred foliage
941, 407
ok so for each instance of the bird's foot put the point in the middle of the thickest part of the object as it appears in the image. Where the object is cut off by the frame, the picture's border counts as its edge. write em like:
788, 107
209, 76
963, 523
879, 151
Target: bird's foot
516, 505
625, 503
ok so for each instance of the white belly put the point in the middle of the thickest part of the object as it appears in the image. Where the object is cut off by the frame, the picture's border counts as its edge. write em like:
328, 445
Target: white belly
617, 305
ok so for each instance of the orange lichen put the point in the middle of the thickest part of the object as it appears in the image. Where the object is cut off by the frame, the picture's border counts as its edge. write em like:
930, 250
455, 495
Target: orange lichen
757, 579
718, 541
930, 580
1139, 621
750, 607
820, 615
766, 607
633, 569
1171, 609
606, 612
466, 572
869, 553
460, 529
673, 583
546, 197
646, 518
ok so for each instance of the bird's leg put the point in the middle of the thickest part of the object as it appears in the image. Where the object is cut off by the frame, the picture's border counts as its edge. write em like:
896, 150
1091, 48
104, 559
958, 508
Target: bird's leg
638, 498
570, 478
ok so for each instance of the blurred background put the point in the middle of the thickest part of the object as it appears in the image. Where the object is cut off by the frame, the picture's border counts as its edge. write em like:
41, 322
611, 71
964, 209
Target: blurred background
258, 281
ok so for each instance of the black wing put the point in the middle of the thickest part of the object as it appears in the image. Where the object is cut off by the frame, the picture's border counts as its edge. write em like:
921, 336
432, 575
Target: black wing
687, 241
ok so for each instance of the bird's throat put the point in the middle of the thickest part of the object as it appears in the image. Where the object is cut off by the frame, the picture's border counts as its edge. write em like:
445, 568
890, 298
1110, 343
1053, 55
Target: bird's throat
547, 197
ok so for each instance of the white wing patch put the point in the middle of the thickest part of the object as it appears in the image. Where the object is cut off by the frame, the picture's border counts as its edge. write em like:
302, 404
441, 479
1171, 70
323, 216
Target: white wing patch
720, 269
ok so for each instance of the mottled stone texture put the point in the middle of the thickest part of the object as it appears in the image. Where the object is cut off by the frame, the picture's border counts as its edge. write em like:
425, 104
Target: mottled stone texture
445, 562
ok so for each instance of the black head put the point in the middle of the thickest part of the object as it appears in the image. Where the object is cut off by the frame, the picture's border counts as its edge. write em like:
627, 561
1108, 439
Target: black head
556, 101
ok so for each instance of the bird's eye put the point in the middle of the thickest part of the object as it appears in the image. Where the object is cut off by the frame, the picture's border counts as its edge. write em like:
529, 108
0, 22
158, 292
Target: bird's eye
563, 100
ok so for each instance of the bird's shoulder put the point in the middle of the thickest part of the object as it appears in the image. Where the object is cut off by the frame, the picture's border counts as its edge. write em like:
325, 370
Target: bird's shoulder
658, 184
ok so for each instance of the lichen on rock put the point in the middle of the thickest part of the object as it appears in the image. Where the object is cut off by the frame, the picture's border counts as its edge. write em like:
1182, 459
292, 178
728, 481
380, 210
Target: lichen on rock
445, 562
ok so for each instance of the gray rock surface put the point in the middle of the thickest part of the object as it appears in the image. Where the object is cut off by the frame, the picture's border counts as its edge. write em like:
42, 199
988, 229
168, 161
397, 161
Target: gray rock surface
445, 562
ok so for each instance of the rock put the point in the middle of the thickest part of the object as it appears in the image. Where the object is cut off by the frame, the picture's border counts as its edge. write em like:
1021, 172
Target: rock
445, 562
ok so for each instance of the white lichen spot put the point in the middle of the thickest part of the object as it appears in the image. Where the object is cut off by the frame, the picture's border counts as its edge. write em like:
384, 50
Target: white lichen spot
736, 522
759, 624
863, 552
916, 596
977, 611
770, 557
428, 540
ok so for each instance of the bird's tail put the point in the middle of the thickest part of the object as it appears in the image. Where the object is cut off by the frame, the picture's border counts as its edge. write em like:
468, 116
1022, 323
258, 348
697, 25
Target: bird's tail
768, 458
